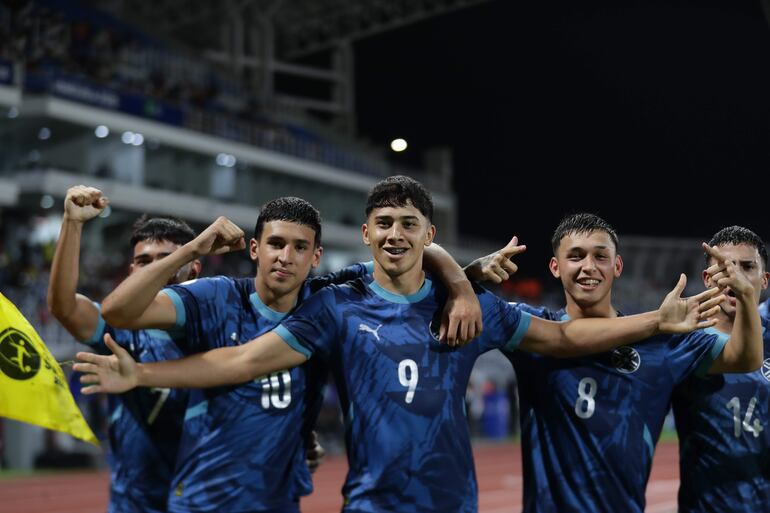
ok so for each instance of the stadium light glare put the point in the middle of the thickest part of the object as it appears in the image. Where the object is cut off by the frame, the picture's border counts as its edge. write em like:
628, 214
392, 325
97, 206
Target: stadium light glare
101, 131
13, 113
46, 201
138, 140
127, 137
226, 160
398, 145
44, 134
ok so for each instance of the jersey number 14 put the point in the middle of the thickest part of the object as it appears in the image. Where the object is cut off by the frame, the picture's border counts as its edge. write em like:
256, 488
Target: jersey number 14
754, 428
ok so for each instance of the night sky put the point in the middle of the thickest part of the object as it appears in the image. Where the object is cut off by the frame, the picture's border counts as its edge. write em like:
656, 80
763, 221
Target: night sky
653, 114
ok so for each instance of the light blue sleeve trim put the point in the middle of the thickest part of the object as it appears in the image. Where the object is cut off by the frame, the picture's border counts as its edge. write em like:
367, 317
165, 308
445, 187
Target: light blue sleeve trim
115, 415
369, 266
100, 326
195, 411
714, 352
181, 316
647, 436
521, 330
292, 341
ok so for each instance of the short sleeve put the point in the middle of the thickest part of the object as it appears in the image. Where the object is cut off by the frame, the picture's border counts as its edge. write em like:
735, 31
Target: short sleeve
352, 272
505, 324
199, 306
695, 352
101, 327
313, 327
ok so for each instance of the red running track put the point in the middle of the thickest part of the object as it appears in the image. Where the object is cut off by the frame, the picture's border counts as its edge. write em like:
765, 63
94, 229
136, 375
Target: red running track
498, 468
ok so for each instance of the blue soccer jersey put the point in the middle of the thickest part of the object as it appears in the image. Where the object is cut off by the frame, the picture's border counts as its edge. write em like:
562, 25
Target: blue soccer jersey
145, 425
589, 425
242, 447
401, 390
724, 440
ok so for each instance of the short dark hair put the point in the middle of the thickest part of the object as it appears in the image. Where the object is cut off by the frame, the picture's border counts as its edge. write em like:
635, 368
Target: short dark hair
582, 223
738, 235
398, 191
291, 209
161, 228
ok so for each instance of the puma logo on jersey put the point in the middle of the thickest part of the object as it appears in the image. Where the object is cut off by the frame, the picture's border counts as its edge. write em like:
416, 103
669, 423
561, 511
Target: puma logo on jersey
366, 329
766, 369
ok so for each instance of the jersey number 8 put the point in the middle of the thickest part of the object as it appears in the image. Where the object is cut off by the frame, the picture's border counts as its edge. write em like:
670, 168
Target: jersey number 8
585, 404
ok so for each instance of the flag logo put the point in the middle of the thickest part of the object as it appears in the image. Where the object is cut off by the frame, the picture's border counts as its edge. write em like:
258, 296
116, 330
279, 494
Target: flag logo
18, 357
32, 385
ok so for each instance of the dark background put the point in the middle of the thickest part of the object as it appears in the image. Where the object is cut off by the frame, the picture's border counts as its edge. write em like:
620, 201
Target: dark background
652, 114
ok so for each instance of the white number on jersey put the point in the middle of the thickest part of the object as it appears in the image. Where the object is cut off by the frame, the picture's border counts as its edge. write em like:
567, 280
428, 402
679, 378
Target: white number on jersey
271, 390
754, 428
162, 396
410, 381
585, 404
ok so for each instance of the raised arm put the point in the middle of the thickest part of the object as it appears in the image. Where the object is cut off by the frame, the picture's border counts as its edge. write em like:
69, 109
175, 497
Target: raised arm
219, 367
136, 303
595, 335
498, 266
461, 318
74, 311
744, 350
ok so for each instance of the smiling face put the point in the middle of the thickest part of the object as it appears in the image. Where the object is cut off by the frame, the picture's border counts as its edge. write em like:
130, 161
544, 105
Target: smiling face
749, 262
284, 255
587, 263
398, 237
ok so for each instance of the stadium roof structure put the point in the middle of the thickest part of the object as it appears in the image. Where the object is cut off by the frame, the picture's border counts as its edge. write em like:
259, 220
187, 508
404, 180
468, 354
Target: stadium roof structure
258, 40
301, 27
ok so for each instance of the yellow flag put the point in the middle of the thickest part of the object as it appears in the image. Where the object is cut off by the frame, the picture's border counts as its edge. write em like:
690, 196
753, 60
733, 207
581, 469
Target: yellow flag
32, 385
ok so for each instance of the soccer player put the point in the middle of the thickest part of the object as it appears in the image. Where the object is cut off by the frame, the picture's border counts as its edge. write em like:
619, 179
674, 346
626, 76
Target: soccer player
241, 448
145, 424
724, 438
402, 392
590, 424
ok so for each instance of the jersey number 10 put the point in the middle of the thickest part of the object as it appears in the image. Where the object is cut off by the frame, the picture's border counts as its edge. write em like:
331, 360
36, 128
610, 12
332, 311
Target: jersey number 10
272, 393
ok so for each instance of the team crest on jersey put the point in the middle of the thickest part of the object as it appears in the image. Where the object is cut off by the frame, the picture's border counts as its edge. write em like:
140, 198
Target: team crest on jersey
626, 359
766, 369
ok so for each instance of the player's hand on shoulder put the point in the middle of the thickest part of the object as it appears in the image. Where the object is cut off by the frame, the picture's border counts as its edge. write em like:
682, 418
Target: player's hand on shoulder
684, 314
461, 319
498, 266
83, 203
111, 374
222, 236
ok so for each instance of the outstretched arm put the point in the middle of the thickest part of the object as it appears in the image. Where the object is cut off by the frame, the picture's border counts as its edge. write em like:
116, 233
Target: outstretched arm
744, 350
461, 318
74, 311
595, 335
219, 367
136, 303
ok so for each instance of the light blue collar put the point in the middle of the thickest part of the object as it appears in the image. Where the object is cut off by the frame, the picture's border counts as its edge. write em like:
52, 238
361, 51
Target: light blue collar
398, 298
264, 310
